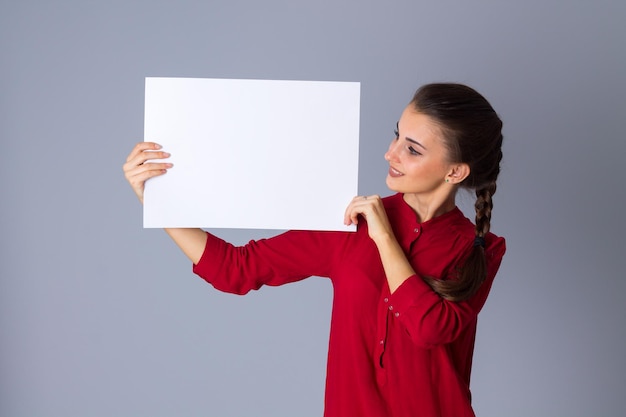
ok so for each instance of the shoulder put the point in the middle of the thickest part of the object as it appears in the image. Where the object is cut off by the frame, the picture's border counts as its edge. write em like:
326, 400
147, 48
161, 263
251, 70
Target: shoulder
393, 201
463, 232
397, 209
495, 247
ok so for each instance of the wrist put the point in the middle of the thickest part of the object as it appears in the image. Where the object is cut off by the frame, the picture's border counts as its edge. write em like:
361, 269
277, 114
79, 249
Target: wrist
385, 239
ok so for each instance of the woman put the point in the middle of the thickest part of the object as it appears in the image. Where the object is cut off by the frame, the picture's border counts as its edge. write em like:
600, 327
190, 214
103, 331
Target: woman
409, 284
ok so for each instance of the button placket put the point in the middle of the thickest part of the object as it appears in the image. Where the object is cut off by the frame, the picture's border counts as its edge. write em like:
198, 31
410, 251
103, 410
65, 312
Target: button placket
382, 330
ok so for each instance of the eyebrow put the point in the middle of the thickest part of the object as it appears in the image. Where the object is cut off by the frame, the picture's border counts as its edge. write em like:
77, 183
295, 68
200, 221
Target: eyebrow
415, 142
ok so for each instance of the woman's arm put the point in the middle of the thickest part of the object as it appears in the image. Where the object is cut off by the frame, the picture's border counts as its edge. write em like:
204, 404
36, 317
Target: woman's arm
429, 319
396, 265
190, 241
139, 167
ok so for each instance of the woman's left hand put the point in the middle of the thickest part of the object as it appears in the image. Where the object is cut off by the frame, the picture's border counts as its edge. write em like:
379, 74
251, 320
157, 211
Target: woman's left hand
397, 267
372, 209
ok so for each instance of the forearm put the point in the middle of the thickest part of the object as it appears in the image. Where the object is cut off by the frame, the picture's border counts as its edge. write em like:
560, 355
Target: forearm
396, 265
190, 241
428, 319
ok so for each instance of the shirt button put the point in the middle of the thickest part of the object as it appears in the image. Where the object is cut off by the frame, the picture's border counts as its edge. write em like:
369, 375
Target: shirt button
397, 314
390, 307
416, 230
386, 299
382, 342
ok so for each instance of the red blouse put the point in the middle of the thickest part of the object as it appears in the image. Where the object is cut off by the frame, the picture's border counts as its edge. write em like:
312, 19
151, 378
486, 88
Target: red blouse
404, 354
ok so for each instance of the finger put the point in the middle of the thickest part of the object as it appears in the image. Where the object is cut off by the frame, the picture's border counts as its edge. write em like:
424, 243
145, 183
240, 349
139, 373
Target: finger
141, 177
357, 206
144, 156
138, 179
349, 219
374, 198
347, 215
150, 155
134, 171
136, 166
368, 206
141, 147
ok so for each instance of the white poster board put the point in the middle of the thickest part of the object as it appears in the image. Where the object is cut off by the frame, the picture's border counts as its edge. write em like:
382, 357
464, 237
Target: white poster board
252, 154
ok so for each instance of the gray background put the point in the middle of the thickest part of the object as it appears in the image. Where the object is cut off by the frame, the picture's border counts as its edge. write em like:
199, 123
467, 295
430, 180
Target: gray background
99, 317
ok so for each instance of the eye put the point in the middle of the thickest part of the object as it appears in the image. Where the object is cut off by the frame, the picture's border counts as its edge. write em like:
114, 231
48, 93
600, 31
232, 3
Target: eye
396, 134
412, 151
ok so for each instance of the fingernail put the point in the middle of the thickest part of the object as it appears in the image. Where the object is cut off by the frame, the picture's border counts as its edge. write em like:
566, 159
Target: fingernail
157, 146
165, 154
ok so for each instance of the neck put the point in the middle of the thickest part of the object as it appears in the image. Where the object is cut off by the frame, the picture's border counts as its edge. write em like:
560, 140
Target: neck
430, 207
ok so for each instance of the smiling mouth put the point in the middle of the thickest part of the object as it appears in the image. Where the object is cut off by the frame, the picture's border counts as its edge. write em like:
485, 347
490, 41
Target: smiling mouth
394, 172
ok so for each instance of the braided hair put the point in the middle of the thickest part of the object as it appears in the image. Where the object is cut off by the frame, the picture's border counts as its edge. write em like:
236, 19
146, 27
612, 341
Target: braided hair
472, 133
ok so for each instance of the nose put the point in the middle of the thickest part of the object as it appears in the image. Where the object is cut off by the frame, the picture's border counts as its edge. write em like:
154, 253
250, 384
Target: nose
391, 154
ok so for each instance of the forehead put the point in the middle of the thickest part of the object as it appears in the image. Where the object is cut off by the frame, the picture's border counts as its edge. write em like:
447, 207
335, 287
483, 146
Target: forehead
416, 125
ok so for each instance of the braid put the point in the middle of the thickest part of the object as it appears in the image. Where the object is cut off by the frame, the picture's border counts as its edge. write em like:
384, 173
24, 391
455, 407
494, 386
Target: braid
483, 206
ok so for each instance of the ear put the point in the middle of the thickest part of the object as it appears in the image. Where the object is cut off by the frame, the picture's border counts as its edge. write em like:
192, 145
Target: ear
457, 173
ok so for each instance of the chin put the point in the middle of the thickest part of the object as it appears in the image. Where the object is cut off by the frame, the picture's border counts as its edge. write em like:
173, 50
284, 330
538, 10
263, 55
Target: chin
391, 185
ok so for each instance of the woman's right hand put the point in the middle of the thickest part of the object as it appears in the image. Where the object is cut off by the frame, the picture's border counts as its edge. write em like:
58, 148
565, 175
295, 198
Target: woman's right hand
137, 171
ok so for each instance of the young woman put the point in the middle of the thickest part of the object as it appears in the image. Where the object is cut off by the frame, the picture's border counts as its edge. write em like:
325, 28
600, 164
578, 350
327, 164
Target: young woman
409, 284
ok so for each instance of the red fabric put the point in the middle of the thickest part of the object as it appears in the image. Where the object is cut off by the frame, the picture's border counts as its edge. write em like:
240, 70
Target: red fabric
402, 355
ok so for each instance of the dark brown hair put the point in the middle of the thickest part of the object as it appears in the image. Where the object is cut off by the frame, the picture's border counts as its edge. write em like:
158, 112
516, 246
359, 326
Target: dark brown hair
472, 132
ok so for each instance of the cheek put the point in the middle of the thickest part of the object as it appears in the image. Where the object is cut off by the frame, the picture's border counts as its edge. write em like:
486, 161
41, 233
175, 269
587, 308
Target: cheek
422, 169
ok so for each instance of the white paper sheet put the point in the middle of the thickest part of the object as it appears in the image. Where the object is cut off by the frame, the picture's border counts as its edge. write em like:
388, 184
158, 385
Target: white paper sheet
253, 154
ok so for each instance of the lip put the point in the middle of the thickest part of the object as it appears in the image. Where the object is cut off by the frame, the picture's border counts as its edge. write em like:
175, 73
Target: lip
394, 172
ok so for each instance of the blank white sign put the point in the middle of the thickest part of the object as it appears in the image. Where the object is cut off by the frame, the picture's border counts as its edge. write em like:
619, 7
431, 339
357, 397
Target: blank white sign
253, 154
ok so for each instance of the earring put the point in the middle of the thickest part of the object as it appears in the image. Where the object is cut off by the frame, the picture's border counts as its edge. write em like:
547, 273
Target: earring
447, 180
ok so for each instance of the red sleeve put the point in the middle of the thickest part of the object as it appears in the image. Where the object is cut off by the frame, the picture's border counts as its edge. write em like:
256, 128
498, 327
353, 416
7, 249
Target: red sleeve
285, 258
429, 319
